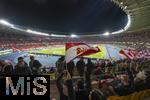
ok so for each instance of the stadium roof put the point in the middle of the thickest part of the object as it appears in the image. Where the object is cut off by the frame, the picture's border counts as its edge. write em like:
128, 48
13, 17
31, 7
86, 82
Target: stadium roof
139, 11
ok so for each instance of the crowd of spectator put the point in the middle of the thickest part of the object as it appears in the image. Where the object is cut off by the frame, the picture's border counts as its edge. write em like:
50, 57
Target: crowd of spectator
96, 80
10, 43
19, 41
102, 79
21, 68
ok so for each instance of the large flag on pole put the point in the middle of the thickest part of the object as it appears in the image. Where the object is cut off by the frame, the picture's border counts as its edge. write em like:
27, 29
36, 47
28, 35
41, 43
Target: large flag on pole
74, 50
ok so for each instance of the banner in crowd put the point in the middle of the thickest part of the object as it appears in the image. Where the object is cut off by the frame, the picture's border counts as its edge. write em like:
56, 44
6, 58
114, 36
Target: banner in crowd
134, 54
129, 53
74, 50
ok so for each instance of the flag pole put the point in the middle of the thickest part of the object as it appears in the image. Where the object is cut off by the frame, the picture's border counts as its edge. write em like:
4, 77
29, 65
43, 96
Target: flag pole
65, 65
65, 59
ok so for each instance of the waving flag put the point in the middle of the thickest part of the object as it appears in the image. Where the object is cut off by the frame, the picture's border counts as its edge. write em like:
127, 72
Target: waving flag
129, 53
74, 50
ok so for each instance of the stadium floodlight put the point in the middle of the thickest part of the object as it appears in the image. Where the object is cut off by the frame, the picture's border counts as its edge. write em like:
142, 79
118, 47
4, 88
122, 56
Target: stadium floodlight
37, 33
106, 33
73, 36
55, 35
4, 22
17, 28
119, 31
125, 7
129, 23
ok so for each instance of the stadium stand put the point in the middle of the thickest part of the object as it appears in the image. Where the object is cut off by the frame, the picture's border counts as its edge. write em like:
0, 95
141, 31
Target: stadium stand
84, 78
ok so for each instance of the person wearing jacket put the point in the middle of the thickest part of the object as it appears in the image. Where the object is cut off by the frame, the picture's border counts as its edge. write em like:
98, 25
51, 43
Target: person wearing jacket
34, 65
70, 67
81, 66
67, 90
6, 68
90, 66
65, 86
22, 69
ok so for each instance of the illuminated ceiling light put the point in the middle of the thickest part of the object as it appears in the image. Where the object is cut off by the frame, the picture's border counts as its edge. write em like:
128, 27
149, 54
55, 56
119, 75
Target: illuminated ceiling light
106, 33
73, 36
37, 33
121, 3
125, 7
4, 22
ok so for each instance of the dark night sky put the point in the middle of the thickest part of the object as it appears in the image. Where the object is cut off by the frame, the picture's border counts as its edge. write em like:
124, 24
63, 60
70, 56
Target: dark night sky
67, 16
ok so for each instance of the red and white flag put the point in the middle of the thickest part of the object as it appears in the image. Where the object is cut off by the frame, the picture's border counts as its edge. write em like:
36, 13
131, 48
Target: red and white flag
129, 53
133, 54
74, 50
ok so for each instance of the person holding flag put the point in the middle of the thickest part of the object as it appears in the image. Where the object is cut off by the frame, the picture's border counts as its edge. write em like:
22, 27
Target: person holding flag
74, 50
81, 66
